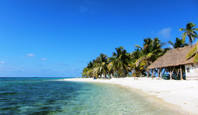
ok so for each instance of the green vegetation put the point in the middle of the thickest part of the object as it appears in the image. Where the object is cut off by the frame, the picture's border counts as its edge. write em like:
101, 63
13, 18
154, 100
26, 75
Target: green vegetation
142, 57
123, 63
190, 31
178, 43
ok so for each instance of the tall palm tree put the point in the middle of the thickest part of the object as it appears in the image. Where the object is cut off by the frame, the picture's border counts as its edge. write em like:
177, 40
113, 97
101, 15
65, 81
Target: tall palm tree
97, 68
118, 64
189, 31
178, 43
100, 68
192, 35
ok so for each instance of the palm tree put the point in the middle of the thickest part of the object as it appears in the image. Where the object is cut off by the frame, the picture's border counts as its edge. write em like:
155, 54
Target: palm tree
189, 31
97, 68
178, 43
193, 53
100, 67
192, 35
137, 70
88, 71
151, 50
119, 62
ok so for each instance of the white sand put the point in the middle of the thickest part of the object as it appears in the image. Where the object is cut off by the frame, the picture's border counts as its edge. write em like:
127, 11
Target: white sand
181, 93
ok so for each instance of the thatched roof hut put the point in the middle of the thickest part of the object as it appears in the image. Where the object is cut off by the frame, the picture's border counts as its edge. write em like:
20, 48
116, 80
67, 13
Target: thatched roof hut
174, 57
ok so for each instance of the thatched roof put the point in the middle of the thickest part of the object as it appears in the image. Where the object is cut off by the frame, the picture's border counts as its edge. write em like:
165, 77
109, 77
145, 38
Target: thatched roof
174, 57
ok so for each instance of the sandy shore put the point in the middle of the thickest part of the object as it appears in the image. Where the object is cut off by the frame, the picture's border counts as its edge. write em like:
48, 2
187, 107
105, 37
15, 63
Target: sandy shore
181, 93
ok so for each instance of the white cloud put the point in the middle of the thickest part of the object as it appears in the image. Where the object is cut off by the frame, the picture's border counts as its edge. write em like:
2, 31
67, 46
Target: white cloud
43, 59
30, 55
165, 32
2, 62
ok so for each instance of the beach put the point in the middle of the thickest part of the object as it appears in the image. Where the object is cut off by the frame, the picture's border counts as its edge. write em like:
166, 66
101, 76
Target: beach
183, 94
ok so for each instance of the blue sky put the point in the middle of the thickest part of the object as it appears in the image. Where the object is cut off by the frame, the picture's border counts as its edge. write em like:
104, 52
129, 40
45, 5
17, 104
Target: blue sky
57, 38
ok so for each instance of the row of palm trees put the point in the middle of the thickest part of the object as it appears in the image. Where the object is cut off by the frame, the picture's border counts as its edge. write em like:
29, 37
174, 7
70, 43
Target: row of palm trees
123, 63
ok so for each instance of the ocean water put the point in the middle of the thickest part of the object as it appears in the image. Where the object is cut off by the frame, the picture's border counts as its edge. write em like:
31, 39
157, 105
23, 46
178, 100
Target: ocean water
49, 96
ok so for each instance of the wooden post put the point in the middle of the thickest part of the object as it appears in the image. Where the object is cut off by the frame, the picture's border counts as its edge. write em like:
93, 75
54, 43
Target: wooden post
171, 73
181, 74
147, 73
163, 72
178, 73
152, 74
159, 72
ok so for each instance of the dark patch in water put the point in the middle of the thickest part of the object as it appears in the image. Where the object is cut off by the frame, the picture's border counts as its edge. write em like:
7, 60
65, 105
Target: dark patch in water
8, 93
45, 108
41, 113
51, 101
44, 111
9, 108
35, 97
3, 99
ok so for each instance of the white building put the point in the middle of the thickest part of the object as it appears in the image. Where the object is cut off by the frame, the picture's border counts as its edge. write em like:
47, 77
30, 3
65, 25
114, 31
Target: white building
191, 71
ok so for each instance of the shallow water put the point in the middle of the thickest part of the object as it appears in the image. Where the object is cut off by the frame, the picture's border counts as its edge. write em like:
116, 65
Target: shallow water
43, 96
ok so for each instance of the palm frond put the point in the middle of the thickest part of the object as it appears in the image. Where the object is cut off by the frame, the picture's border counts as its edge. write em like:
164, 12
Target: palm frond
182, 29
184, 36
171, 43
191, 53
137, 46
195, 34
196, 58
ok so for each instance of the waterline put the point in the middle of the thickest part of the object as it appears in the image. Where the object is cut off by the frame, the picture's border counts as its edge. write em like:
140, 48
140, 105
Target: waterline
50, 97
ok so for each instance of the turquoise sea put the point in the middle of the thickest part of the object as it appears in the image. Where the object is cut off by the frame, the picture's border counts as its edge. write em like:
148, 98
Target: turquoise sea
49, 96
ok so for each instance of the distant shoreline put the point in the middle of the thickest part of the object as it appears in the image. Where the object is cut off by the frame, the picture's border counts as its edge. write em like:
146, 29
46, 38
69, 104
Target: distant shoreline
183, 94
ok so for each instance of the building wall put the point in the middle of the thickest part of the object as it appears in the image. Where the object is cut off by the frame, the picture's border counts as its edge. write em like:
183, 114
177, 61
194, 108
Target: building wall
191, 71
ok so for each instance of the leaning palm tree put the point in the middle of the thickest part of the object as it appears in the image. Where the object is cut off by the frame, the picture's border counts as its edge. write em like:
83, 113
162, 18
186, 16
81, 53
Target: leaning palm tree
151, 50
88, 71
189, 31
193, 53
136, 70
178, 43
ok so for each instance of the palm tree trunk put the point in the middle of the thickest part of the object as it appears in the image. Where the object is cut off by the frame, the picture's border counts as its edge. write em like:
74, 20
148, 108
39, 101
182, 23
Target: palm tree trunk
181, 73
159, 71
190, 38
171, 74
178, 73
110, 75
152, 74
197, 47
148, 73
